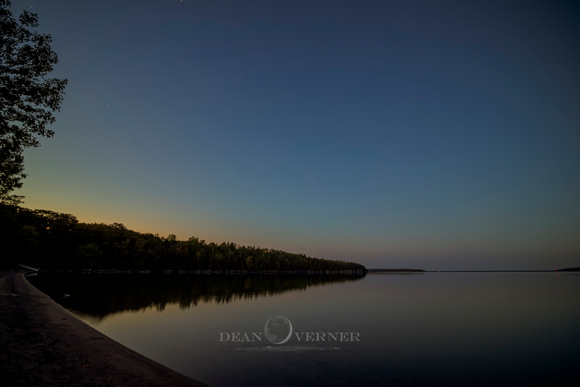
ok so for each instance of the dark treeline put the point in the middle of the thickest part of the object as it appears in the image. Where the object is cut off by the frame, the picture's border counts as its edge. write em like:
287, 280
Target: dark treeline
52, 240
570, 269
100, 295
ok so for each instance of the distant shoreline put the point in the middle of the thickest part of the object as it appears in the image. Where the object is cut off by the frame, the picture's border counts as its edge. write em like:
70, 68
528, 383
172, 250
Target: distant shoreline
492, 271
378, 271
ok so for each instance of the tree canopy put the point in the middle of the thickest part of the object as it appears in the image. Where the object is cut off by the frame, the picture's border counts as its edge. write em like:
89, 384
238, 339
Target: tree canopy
28, 98
52, 240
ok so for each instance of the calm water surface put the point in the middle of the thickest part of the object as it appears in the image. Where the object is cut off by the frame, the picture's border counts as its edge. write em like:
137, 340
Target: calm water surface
440, 329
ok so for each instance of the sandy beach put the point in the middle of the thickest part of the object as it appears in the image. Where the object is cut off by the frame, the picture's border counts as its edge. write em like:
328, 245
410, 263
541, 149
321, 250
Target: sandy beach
45, 345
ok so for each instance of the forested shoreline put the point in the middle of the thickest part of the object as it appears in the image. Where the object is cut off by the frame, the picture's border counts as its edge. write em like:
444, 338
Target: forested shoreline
57, 241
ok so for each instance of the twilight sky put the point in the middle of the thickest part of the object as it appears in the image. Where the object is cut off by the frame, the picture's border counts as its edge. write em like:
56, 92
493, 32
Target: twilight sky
436, 135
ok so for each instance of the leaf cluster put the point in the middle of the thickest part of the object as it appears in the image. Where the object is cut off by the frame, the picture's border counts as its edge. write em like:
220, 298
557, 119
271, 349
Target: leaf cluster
28, 97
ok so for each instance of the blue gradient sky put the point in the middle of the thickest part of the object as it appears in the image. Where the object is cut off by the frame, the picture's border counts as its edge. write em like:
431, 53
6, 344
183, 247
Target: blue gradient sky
440, 135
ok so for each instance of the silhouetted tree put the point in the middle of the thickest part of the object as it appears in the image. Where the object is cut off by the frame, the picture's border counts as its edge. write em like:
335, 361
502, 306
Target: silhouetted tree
28, 98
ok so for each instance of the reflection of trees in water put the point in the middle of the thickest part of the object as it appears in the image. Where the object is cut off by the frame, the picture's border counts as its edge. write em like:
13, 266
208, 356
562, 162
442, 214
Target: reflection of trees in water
100, 295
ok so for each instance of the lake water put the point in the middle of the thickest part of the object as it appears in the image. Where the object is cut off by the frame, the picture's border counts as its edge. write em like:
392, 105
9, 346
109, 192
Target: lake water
435, 329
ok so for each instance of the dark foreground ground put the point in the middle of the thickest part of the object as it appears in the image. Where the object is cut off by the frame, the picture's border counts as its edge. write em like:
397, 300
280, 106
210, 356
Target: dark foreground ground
42, 344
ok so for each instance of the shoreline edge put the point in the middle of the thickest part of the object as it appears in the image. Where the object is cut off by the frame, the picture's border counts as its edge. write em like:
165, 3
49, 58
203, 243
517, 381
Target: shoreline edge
44, 344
